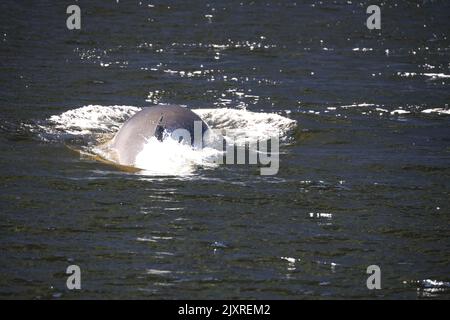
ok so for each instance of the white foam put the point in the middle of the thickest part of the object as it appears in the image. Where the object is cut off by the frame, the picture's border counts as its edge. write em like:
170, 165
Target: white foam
248, 126
143, 239
362, 49
434, 283
437, 110
400, 111
430, 287
169, 158
412, 109
92, 118
437, 75
152, 239
158, 272
433, 76
355, 105
289, 259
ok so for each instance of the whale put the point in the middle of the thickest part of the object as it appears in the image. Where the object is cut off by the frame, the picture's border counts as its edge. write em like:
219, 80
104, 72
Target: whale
159, 121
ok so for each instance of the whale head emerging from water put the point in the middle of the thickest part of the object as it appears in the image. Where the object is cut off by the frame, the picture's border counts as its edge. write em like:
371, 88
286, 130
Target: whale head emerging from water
159, 122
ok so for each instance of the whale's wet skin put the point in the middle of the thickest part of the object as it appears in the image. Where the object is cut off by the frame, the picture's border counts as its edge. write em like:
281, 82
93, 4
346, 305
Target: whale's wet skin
363, 178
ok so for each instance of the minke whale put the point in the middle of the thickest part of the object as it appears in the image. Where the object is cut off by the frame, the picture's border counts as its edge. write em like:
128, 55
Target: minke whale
159, 121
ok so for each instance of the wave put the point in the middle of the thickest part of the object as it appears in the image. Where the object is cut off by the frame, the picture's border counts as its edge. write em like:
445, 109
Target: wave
92, 125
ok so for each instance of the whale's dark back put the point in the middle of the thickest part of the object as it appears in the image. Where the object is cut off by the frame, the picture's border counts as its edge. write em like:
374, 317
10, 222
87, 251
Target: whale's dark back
149, 122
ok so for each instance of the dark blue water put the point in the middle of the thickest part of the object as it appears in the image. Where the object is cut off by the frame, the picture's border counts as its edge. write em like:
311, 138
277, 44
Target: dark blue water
363, 178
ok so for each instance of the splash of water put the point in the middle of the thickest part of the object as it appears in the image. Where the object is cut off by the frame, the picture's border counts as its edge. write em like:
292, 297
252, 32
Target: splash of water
169, 157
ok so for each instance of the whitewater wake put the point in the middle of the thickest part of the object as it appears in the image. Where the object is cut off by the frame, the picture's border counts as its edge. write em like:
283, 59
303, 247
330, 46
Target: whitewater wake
90, 126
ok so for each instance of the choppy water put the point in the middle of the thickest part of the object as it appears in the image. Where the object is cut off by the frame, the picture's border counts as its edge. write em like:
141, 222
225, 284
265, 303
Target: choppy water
364, 164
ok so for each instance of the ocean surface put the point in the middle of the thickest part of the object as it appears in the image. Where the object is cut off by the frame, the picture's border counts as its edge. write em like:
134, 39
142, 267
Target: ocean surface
364, 173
